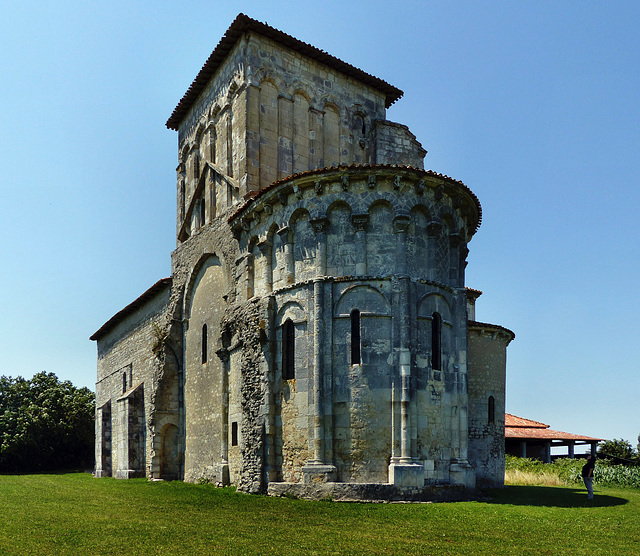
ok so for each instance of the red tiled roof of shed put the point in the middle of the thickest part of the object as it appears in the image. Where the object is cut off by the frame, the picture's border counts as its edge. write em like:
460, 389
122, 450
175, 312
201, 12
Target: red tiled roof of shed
518, 427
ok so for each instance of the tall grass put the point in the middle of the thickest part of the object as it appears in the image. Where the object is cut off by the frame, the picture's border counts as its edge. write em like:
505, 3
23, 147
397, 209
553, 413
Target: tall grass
522, 471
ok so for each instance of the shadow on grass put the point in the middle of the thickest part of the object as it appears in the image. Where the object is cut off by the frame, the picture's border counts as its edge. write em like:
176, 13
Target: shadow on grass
550, 496
49, 472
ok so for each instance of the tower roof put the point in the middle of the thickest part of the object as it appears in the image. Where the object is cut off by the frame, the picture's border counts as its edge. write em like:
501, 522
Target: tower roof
243, 24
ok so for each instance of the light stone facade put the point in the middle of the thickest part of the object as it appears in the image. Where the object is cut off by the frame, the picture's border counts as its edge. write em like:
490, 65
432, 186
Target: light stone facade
316, 335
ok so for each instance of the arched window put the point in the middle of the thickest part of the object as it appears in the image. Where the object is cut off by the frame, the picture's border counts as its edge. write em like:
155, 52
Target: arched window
355, 337
492, 410
436, 342
288, 350
204, 343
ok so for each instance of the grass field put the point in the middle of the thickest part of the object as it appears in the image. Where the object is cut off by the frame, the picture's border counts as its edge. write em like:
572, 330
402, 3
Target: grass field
75, 514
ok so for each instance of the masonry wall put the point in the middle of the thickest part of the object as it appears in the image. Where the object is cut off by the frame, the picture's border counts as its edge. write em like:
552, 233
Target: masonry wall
269, 113
487, 376
127, 365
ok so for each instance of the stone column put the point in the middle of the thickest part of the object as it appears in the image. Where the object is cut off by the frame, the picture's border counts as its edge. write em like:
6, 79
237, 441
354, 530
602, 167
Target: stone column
400, 225
285, 136
359, 222
433, 231
455, 240
404, 473
320, 226
223, 354
286, 235
318, 341
266, 248
316, 470
253, 137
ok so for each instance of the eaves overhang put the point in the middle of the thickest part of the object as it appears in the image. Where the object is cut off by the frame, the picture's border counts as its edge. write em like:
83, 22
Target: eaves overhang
243, 24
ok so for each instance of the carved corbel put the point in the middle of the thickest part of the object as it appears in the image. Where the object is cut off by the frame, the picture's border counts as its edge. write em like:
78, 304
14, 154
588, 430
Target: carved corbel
283, 197
372, 181
318, 187
297, 191
397, 183
420, 187
345, 182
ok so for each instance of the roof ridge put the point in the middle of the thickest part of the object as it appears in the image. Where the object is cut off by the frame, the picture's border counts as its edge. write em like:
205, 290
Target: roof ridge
243, 23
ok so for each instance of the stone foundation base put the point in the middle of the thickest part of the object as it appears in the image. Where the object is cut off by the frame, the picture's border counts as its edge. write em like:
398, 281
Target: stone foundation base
129, 474
462, 473
313, 473
370, 492
404, 475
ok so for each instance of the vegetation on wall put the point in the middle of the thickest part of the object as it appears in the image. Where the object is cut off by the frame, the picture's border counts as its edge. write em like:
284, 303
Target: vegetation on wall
45, 424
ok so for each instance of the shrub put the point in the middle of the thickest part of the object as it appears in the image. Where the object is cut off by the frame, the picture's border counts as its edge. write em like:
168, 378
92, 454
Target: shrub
569, 471
45, 424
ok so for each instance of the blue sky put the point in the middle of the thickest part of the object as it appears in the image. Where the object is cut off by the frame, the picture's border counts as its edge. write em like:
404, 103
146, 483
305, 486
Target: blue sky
534, 105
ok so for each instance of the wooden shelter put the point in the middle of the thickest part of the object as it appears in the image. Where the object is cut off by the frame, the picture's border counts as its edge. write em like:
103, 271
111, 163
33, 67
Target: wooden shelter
531, 439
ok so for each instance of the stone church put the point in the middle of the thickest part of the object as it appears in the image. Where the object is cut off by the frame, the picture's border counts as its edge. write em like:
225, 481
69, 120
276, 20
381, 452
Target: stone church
315, 334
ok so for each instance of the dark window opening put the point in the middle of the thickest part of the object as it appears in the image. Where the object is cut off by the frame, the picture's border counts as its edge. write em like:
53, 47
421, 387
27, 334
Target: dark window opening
288, 350
203, 213
436, 342
355, 337
124, 382
204, 343
182, 198
196, 166
492, 410
234, 433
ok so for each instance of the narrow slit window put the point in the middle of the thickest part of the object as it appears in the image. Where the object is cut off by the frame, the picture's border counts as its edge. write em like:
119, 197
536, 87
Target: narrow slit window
436, 342
203, 213
234, 433
288, 350
491, 410
355, 338
204, 343
124, 382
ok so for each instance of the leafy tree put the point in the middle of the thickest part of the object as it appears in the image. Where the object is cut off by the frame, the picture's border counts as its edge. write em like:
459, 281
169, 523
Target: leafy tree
617, 449
45, 424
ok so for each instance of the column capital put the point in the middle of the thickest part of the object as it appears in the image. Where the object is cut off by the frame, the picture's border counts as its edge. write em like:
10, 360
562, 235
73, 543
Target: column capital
401, 224
286, 234
359, 222
320, 225
434, 228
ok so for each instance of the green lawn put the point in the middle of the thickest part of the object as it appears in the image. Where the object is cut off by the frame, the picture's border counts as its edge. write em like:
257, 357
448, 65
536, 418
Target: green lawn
76, 514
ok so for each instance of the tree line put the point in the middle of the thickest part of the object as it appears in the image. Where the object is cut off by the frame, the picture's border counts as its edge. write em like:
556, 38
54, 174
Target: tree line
45, 424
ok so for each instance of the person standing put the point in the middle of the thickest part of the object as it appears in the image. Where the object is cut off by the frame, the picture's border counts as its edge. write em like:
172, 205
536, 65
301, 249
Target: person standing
587, 475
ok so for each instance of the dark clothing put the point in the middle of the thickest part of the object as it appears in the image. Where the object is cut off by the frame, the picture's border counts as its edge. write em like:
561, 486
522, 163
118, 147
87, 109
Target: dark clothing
587, 468
587, 475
